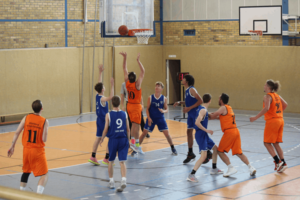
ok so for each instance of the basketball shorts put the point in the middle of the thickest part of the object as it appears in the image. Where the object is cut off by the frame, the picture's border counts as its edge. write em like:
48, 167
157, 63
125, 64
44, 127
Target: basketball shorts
273, 130
120, 146
34, 160
134, 112
161, 125
100, 127
231, 139
204, 141
191, 121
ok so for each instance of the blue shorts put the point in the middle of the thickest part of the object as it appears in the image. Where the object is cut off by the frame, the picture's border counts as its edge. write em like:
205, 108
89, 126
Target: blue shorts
100, 127
191, 121
204, 141
161, 124
119, 145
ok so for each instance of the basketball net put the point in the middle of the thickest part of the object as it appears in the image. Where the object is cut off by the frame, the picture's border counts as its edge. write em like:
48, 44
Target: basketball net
255, 34
143, 36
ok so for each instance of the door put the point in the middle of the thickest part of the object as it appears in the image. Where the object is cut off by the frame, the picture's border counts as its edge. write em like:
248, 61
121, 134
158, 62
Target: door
173, 84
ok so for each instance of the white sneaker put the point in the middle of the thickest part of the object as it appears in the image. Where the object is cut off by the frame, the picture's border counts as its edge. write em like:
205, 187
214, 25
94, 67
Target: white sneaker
140, 150
282, 168
216, 171
134, 148
122, 186
252, 171
111, 184
230, 171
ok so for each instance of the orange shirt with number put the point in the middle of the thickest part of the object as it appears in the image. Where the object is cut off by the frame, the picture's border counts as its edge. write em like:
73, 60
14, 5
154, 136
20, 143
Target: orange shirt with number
275, 110
134, 95
33, 131
228, 121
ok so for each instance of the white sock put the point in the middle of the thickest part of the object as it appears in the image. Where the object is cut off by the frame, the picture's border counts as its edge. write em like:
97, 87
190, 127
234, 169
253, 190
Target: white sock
22, 188
111, 179
132, 138
137, 141
123, 178
249, 166
40, 189
230, 166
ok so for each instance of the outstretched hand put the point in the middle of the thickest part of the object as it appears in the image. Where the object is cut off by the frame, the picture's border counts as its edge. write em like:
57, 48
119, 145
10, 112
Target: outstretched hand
124, 54
138, 57
101, 68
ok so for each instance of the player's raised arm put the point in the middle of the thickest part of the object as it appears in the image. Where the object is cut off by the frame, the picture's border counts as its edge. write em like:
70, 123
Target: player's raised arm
199, 100
221, 111
124, 54
105, 128
284, 103
45, 132
16, 136
112, 91
142, 73
101, 69
202, 114
267, 103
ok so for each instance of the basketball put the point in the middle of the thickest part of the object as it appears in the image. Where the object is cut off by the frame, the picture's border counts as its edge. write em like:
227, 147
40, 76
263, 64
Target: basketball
123, 30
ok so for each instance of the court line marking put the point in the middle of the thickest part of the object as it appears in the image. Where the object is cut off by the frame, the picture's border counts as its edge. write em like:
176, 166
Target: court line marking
152, 160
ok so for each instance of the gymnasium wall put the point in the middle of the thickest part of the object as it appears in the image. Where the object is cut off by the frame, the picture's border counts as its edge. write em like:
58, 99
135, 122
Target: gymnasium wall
241, 72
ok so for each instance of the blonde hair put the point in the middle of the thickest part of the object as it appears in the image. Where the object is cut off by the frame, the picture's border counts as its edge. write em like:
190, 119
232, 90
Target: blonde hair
273, 85
160, 83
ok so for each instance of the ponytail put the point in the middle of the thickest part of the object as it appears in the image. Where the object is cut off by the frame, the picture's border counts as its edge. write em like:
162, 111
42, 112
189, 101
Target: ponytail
273, 85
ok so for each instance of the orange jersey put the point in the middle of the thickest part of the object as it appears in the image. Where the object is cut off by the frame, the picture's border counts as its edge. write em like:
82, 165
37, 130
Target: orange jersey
228, 121
33, 131
275, 110
134, 95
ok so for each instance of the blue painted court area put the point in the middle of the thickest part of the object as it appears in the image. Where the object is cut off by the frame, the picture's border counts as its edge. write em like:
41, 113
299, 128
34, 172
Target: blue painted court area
160, 175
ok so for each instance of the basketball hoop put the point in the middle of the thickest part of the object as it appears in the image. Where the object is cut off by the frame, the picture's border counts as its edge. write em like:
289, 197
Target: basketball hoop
142, 35
255, 34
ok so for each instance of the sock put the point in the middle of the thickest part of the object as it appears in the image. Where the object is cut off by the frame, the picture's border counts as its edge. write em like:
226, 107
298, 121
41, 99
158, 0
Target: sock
193, 172
229, 166
249, 165
172, 146
190, 150
111, 179
93, 155
22, 188
107, 156
283, 161
276, 159
123, 178
137, 142
214, 165
40, 189
132, 140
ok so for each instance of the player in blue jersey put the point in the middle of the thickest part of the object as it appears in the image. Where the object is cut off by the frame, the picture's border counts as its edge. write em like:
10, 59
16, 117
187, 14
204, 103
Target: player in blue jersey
205, 143
117, 130
156, 107
192, 102
101, 111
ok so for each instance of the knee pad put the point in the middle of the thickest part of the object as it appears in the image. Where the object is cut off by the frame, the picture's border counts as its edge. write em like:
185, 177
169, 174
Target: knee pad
24, 178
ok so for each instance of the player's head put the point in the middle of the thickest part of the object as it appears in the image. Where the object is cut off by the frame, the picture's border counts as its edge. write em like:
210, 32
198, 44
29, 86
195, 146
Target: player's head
224, 98
116, 101
159, 86
206, 98
189, 80
271, 86
37, 106
99, 87
131, 77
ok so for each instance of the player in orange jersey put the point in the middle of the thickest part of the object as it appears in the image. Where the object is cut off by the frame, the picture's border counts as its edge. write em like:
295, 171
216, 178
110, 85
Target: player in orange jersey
273, 108
231, 138
34, 135
134, 107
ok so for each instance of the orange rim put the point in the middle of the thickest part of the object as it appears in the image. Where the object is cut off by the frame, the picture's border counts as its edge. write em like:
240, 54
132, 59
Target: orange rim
132, 32
257, 32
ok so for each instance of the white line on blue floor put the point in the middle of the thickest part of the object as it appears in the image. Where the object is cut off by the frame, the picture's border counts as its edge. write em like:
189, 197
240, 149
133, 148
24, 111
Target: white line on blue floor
153, 160
111, 194
137, 190
98, 196
159, 186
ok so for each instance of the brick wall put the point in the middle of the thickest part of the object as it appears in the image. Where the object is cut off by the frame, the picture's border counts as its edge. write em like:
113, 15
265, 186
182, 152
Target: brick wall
212, 33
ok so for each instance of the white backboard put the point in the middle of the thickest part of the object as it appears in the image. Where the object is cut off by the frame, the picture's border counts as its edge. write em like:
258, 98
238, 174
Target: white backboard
265, 18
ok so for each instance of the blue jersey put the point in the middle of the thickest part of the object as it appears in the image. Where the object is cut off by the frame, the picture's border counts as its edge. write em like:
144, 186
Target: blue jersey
155, 104
117, 124
101, 110
190, 100
204, 121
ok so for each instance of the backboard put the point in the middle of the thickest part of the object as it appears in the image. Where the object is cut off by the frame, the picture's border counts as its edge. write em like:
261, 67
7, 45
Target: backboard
135, 14
265, 18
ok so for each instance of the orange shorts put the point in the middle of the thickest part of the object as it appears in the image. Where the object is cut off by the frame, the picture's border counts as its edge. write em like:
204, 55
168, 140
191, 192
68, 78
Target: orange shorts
134, 112
34, 160
231, 140
273, 130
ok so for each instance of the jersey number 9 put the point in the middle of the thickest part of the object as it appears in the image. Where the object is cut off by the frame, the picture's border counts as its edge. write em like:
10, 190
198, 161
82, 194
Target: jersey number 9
119, 123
